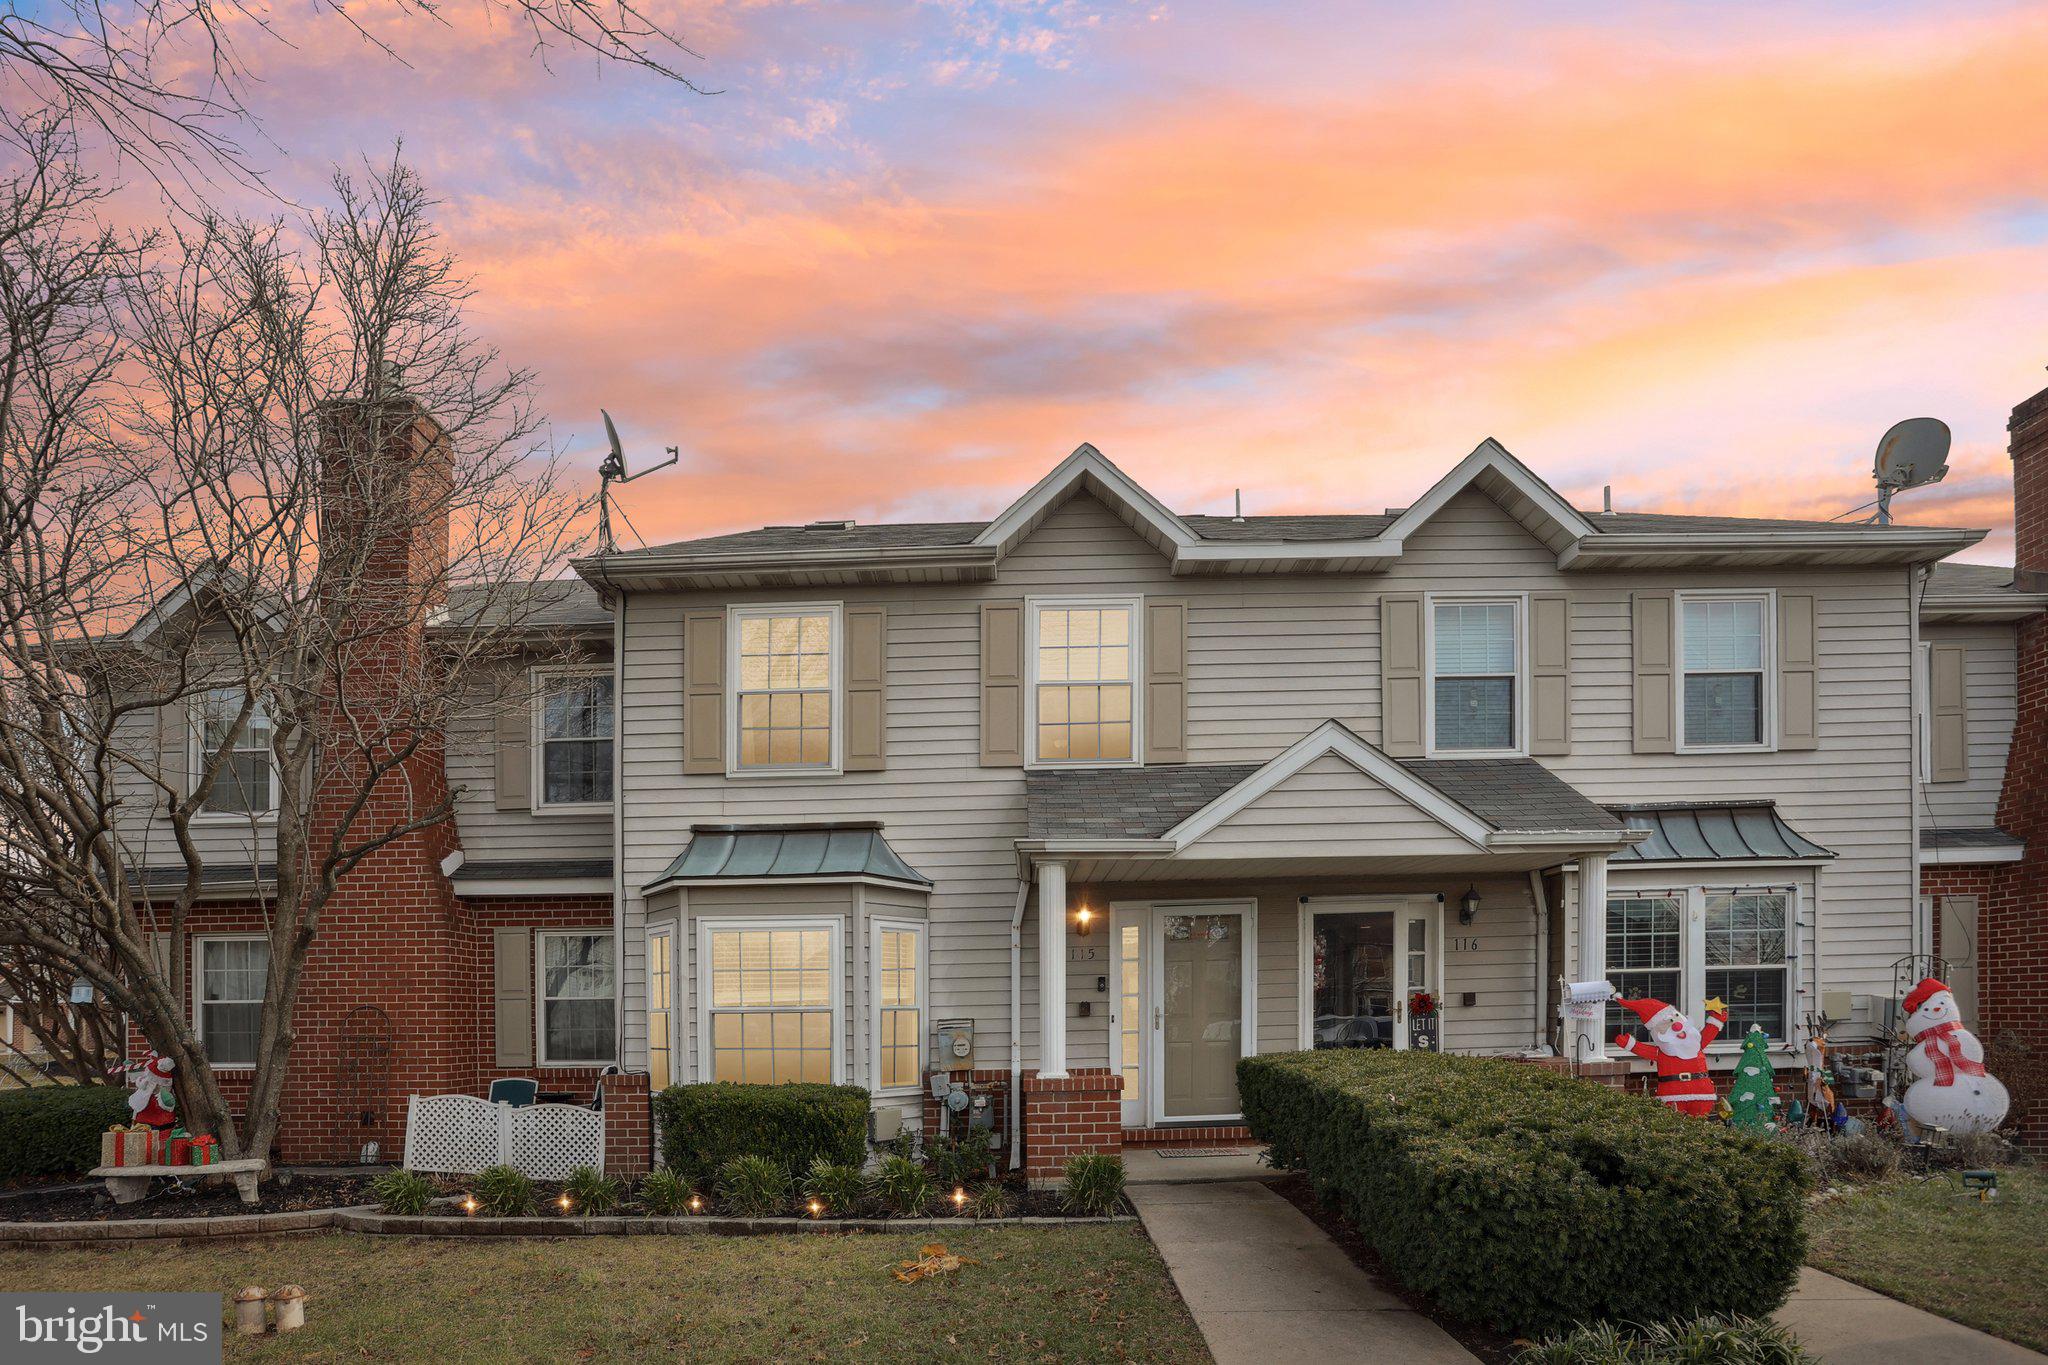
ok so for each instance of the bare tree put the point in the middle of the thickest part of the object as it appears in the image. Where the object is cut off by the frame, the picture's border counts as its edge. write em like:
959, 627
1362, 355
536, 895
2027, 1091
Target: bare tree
271, 520
164, 80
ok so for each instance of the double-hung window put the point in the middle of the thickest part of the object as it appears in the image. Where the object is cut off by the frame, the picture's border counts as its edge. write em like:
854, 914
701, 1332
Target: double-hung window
573, 738
247, 782
785, 671
898, 1005
577, 980
1475, 675
660, 1006
1084, 659
229, 1015
1694, 944
768, 999
1724, 656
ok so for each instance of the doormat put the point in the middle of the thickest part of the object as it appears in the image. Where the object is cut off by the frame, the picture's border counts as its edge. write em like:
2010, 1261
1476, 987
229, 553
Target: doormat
1204, 1151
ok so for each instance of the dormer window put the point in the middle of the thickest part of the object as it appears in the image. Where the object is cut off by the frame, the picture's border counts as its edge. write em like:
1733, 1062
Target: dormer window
1084, 658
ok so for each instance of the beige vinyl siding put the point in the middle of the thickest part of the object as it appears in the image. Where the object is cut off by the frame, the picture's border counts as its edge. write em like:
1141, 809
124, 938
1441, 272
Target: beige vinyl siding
1990, 677
1330, 809
489, 833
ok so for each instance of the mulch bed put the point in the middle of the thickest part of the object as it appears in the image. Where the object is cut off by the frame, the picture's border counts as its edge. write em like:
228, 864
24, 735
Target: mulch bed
286, 1194
1490, 1346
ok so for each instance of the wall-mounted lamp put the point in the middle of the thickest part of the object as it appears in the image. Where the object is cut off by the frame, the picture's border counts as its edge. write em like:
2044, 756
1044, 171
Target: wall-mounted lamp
1468, 905
1084, 920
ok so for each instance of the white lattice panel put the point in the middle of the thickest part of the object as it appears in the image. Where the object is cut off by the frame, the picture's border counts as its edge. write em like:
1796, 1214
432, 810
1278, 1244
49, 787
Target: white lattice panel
451, 1134
551, 1140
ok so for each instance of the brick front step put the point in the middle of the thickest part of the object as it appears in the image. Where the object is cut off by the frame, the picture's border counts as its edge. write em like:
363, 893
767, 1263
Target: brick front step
1218, 1135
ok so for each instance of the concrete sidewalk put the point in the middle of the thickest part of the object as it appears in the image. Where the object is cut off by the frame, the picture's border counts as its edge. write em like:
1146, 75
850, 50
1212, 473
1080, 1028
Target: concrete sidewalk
1267, 1287
1846, 1324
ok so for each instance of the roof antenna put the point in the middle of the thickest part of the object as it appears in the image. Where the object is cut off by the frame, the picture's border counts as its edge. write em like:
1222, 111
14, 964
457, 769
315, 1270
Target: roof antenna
612, 471
1912, 454
1238, 515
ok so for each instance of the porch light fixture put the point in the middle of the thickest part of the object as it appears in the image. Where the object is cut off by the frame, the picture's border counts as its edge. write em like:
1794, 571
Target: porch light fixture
1468, 905
1084, 920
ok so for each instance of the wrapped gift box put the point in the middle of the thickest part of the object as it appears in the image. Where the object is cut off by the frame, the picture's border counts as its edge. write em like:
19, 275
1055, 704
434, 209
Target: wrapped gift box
178, 1148
204, 1151
135, 1148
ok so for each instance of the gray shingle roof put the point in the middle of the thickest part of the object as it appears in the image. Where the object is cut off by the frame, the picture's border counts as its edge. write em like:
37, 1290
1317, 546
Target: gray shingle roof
853, 849
1710, 832
1512, 795
1968, 838
547, 604
1972, 580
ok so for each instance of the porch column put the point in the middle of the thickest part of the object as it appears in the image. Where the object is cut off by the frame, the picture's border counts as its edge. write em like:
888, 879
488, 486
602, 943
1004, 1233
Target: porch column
1590, 1044
1052, 970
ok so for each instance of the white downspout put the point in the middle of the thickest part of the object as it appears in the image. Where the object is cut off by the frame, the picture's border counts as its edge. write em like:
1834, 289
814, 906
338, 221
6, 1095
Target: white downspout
1542, 953
1015, 1116
619, 833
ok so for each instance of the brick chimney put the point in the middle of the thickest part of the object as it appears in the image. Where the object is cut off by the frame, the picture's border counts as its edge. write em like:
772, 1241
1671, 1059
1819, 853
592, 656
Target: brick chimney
2029, 428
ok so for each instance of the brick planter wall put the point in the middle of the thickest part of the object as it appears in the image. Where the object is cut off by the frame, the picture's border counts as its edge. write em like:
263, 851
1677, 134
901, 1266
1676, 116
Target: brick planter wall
1065, 1117
628, 1126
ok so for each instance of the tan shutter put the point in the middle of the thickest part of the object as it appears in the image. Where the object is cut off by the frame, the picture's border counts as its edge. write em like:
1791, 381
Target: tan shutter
1655, 732
512, 972
1798, 672
1166, 682
1550, 673
1002, 684
174, 740
704, 691
1401, 676
1948, 713
867, 681
514, 735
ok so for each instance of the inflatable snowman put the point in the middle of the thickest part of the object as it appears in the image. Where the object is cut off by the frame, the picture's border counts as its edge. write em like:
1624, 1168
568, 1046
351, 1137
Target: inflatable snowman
1951, 1089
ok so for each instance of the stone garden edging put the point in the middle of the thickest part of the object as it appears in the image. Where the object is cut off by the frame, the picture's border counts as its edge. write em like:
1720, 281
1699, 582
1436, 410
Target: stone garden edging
366, 1220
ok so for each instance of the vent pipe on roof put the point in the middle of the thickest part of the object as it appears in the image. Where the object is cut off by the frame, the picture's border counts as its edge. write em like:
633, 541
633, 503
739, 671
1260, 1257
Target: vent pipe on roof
828, 526
1607, 500
1238, 515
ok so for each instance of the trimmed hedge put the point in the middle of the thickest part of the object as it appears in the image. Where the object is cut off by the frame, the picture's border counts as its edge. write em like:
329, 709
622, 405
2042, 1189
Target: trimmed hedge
1532, 1202
704, 1126
55, 1129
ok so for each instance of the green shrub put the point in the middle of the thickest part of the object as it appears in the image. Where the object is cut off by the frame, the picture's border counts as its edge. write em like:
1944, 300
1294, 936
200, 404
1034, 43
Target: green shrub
902, 1185
664, 1192
836, 1185
1094, 1185
1521, 1198
962, 1161
990, 1201
406, 1193
55, 1129
503, 1192
591, 1192
705, 1126
1703, 1341
754, 1186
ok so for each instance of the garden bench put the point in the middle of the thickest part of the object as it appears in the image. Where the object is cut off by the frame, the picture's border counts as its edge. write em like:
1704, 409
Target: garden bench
130, 1183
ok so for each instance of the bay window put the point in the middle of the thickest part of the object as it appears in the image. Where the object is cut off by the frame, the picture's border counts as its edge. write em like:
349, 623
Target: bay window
1694, 944
1746, 937
899, 989
769, 1000
577, 982
1083, 701
1475, 669
1724, 649
785, 682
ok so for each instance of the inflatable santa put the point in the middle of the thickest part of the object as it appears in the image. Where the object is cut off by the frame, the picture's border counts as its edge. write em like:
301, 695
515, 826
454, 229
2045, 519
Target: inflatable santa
1951, 1089
155, 1100
1679, 1050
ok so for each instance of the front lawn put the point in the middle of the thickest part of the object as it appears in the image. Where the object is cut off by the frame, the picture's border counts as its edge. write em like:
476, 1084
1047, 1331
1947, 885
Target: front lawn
1084, 1293
1923, 1241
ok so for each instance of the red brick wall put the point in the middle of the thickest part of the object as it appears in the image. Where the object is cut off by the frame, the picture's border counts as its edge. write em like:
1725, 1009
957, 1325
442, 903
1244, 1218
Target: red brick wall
484, 917
628, 1126
1065, 1117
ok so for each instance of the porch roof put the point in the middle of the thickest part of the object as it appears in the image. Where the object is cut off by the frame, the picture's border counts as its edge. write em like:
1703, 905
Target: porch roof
1715, 832
846, 850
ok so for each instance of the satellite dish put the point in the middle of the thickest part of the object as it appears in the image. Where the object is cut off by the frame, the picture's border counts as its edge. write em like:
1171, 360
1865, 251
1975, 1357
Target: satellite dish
1912, 453
612, 471
615, 463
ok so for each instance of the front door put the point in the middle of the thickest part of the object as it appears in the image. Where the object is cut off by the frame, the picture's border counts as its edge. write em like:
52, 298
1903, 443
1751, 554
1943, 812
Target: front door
1202, 960
1369, 967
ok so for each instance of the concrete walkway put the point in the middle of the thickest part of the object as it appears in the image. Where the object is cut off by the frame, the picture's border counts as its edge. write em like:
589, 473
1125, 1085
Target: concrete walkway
1846, 1324
1267, 1287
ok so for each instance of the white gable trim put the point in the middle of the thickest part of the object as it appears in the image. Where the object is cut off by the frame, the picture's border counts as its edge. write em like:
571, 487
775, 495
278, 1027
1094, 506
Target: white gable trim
1332, 737
1086, 466
1489, 456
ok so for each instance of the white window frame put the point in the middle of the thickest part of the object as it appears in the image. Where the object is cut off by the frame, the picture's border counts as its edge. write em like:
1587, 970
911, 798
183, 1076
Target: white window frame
836, 1011
1692, 951
541, 998
1767, 686
733, 617
198, 990
876, 928
1135, 605
195, 760
664, 930
1520, 603
537, 683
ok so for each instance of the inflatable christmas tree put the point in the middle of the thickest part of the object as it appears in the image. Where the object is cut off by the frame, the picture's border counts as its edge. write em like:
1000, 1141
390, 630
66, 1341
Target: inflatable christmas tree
1753, 1096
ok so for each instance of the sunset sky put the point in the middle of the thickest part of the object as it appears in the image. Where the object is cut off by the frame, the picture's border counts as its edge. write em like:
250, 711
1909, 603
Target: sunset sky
914, 253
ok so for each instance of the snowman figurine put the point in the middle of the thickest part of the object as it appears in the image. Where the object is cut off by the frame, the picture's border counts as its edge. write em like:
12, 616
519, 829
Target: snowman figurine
1951, 1089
